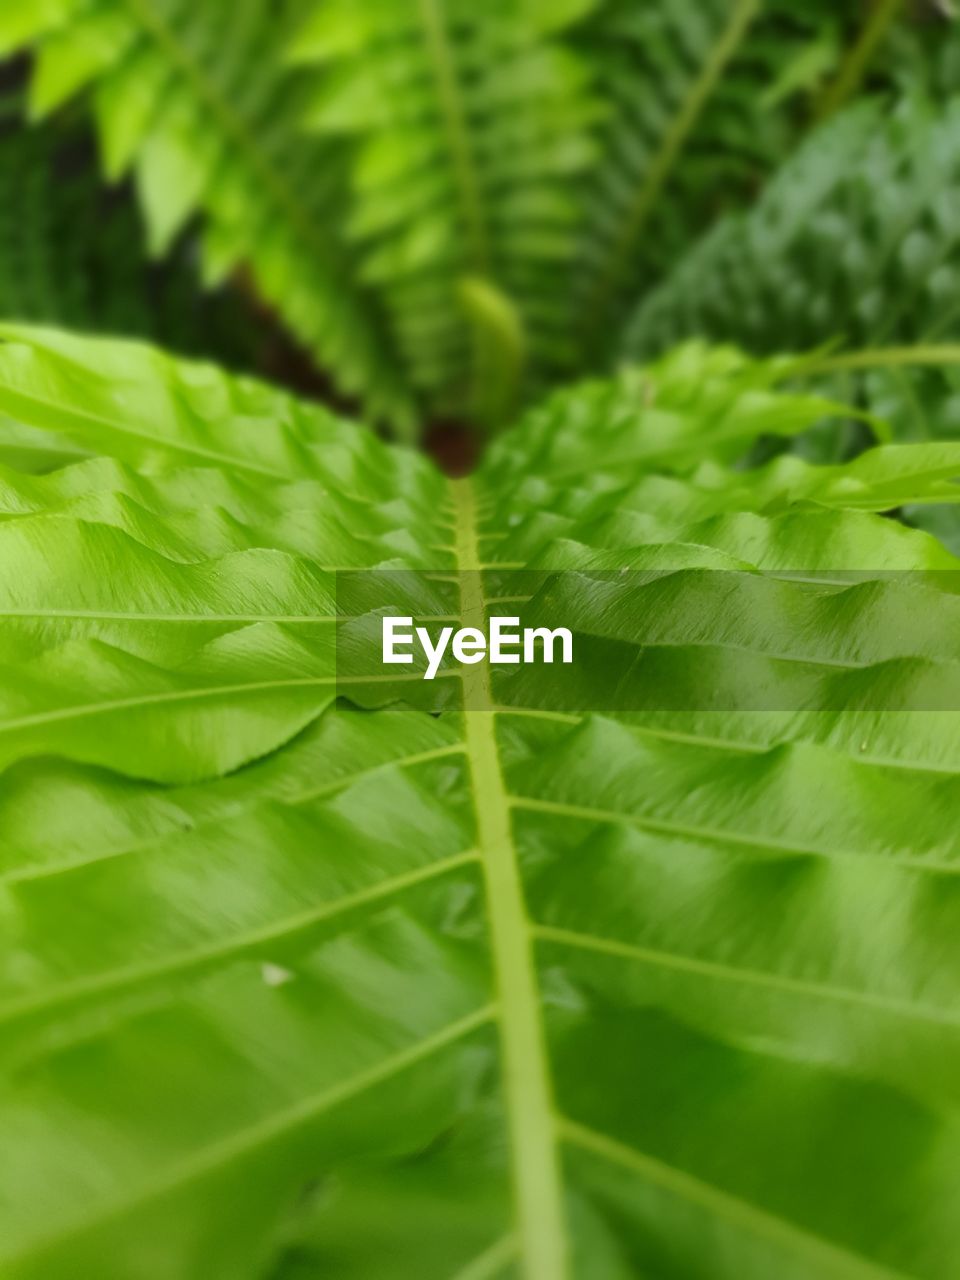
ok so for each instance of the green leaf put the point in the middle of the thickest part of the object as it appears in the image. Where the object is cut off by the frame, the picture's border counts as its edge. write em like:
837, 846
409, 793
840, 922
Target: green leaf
200, 102
20, 23
804, 71
69, 59
499, 351
293, 988
881, 17
717, 41
855, 239
464, 124
72, 253
703, 101
352, 165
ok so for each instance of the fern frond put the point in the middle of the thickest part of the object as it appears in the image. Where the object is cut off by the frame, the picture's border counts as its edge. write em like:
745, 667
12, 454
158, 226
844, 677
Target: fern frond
466, 125
924, 55
71, 253
703, 103
450, 204
856, 238
197, 101
859, 57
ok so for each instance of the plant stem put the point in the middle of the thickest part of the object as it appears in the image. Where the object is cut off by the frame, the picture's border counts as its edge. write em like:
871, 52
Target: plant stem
887, 358
858, 59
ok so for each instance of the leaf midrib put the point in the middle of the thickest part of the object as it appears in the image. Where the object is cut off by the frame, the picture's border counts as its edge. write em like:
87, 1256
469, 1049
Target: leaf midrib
535, 1163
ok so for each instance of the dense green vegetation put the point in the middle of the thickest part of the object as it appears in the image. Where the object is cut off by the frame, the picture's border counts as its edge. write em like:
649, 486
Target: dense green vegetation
452, 205
302, 981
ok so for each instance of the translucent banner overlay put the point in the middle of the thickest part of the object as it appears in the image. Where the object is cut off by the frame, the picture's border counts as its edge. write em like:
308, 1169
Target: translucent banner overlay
685, 639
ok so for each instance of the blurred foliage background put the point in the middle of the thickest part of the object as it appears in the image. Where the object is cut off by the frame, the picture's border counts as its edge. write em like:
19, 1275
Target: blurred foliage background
430, 211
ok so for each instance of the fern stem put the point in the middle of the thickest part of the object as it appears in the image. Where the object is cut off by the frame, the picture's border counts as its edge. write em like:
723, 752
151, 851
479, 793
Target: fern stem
858, 59
458, 135
887, 358
741, 17
541, 1230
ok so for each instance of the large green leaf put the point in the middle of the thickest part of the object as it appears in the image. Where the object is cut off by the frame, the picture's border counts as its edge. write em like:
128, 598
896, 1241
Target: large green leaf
295, 989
